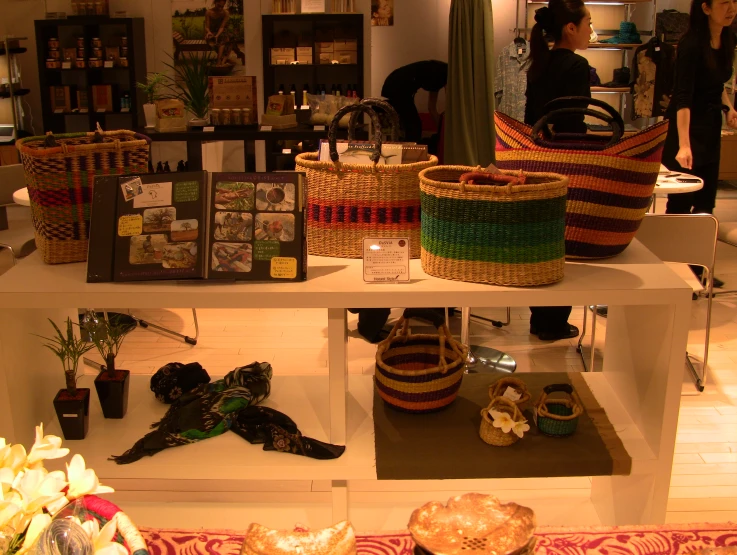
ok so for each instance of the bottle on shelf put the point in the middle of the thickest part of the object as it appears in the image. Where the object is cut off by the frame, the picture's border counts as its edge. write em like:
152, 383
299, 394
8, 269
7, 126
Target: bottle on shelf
305, 91
338, 91
322, 90
159, 167
293, 92
167, 169
332, 90
180, 166
281, 89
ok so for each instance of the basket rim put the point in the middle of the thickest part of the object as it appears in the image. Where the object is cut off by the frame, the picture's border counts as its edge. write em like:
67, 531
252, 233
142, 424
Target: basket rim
522, 386
383, 347
309, 161
559, 181
137, 140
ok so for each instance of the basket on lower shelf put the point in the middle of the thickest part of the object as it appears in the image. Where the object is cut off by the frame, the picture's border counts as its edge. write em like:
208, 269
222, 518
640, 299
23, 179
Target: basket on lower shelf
502, 229
419, 372
497, 435
60, 172
558, 417
499, 389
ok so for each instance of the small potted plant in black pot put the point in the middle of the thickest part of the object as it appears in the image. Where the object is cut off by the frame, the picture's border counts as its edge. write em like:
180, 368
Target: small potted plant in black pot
112, 384
72, 404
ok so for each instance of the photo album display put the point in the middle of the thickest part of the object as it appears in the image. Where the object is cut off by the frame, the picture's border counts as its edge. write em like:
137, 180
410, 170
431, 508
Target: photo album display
195, 225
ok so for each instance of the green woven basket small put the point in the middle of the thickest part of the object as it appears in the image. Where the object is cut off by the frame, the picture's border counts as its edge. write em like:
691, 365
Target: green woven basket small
558, 417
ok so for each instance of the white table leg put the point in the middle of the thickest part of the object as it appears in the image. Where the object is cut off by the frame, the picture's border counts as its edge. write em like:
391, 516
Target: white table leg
338, 368
644, 365
340, 500
30, 375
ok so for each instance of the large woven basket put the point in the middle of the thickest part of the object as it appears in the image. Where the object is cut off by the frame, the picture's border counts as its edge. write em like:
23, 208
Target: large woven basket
507, 234
419, 373
60, 180
349, 202
611, 181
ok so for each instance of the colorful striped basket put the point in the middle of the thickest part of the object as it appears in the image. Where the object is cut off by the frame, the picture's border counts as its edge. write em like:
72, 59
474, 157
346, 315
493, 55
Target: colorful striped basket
60, 172
511, 233
611, 184
349, 202
419, 373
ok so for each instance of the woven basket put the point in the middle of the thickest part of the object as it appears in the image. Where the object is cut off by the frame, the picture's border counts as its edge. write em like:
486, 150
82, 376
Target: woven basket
419, 373
558, 417
498, 388
349, 202
60, 180
611, 183
509, 234
93, 507
496, 436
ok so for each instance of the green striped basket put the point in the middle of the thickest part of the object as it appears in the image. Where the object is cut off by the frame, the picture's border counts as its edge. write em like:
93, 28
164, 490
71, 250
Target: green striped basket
508, 233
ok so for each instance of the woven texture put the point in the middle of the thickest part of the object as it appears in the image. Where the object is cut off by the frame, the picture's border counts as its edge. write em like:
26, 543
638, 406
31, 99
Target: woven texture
496, 436
610, 190
500, 234
60, 181
349, 202
419, 372
498, 388
558, 417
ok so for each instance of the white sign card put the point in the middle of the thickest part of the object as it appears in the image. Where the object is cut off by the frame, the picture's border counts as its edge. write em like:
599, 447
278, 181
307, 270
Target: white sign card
313, 6
153, 194
386, 260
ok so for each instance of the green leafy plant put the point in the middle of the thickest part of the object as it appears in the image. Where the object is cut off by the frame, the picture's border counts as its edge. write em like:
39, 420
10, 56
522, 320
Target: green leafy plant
107, 334
151, 87
69, 349
190, 83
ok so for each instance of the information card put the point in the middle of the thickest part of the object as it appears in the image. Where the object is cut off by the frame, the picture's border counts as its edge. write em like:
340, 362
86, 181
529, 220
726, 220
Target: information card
386, 260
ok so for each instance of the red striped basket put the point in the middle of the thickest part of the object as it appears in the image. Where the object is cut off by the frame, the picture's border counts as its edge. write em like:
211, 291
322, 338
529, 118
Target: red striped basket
611, 185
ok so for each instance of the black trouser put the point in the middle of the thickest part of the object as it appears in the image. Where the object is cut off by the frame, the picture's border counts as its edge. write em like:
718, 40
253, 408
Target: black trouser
550, 319
698, 202
409, 117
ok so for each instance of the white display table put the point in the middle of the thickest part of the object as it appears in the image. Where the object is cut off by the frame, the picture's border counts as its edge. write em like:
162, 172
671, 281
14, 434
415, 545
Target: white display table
639, 387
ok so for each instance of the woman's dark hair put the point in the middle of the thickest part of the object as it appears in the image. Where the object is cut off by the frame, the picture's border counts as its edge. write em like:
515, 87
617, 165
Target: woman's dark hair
549, 22
698, 28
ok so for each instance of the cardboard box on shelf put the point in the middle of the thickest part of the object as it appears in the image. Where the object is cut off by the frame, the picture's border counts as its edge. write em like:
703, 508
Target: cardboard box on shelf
234, 92
326, 59
102, 98
346, 44
60, 99
304, 54
324, 47
281, 56
346, 56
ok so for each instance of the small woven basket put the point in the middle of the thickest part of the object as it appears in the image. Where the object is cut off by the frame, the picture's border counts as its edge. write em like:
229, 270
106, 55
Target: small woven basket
419, 373
558, 417
60, 172
498, 388
349, 202
496, 436
508, 233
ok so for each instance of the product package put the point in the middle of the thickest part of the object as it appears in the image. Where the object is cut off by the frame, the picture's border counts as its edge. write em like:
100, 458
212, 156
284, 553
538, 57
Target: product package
171, 115
235, 92
195, 225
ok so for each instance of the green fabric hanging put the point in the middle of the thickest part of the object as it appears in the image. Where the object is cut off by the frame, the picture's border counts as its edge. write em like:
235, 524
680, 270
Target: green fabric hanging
469, 116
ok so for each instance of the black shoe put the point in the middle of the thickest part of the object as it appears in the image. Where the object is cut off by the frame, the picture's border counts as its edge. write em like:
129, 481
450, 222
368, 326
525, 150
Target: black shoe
602, 311
569, 333
533, 330
718, 283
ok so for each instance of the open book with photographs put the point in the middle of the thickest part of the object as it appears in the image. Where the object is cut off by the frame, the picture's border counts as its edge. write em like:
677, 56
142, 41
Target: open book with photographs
197, 225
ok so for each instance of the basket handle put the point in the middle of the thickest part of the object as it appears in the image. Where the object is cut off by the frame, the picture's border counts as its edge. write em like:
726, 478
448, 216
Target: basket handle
546, 142
387, 108
488, 178
516, 414
558, 388
333, 133
565, 102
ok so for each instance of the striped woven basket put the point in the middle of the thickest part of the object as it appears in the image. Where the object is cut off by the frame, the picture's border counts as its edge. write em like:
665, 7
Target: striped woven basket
349, 202
419, 373
60, 180
611, 185
508, 234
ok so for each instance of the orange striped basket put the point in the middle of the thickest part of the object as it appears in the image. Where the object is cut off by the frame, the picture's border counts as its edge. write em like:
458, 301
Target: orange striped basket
611, 183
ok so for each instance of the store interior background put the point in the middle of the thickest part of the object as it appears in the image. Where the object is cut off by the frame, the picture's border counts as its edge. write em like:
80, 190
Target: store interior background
704, 486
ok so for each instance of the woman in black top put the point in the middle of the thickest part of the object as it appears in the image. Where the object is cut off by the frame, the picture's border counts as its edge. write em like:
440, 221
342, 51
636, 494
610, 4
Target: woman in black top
703, 65
554, 74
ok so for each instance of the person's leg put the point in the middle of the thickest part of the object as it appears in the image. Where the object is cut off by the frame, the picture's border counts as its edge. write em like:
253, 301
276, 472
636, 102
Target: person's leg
409, 117
371, 321
680, 203
550, 323
705, 199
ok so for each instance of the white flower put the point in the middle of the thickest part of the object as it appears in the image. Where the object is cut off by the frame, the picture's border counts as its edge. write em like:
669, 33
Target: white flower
38, 487
6, 481
12, 457
520, 428
82, 480
502, 420
45, 447
37, 525
8, 513
103, 539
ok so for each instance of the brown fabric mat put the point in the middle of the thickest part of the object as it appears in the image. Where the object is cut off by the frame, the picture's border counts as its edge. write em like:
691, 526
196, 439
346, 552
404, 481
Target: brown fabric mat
446, 444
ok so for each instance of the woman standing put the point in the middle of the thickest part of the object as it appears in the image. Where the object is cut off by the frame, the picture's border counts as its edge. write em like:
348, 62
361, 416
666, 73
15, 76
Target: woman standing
554, 74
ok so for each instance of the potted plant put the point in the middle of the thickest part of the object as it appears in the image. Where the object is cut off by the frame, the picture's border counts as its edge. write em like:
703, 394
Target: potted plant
72, 404
112, 384
191, 84
151, 89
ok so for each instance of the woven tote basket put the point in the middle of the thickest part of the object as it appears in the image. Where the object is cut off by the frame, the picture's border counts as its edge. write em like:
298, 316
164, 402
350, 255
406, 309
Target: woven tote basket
419, 373
509, 233
611, 180
349, 202
558, 417
60, 180
92, 507
496, 436
499, 387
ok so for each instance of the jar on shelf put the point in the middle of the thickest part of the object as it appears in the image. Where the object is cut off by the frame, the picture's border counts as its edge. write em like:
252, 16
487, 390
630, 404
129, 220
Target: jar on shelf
95, 63
225, 116
54, 54
97, 52
123, 62
79, 63
51, 63
96, 43
124, 51
123, 41
80, 42
215, 116
236, 116
54, 43
99, 8
75, 7
81, 53
90, 8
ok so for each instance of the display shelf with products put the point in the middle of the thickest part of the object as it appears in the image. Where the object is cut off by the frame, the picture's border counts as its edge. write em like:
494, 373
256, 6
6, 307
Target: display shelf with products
638, 387
97, 40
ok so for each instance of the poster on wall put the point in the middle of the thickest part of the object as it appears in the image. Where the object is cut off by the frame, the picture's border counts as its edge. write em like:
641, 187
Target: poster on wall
382, 13
210, 28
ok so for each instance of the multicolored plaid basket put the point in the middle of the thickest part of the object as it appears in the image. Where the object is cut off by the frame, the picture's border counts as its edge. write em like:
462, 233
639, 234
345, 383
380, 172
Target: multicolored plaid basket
611, 185
349, 202
60, 180
504, 234
419, 373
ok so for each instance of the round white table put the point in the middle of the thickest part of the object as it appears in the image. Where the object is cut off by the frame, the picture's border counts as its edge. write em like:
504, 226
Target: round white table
668, 184
21, 197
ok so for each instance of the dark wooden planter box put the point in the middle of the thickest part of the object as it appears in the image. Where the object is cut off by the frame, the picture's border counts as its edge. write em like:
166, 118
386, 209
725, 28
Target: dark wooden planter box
73, 413
113, 393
